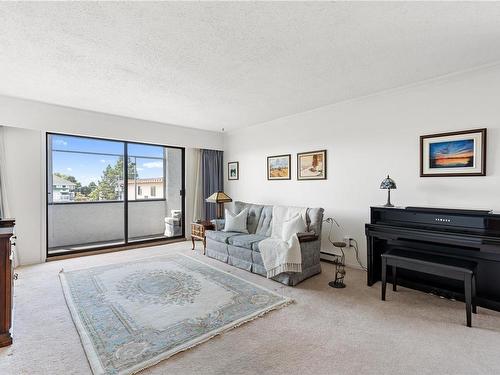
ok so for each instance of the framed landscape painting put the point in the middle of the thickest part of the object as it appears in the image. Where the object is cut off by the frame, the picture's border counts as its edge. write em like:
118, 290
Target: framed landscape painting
311, 165
233, 170
278, 167
460, 153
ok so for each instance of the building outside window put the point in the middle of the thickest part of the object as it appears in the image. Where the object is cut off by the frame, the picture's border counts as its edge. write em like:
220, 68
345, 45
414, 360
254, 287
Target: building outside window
63, 190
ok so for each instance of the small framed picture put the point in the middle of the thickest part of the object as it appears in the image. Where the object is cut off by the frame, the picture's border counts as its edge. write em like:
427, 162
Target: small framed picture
278, 167
233, 170
311, 165
453, 154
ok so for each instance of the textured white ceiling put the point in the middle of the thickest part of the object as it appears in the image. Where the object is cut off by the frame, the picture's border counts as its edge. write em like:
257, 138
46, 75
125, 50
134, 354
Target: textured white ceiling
215, 65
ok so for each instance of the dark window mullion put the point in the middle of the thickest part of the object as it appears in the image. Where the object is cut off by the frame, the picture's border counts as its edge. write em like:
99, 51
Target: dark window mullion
125, 190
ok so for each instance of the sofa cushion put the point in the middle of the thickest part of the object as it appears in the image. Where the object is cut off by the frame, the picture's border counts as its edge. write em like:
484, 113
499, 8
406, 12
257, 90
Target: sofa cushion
255, 246
245, 240
217, 250
220, 236
236, 222
254, 211
265, 220
239, 257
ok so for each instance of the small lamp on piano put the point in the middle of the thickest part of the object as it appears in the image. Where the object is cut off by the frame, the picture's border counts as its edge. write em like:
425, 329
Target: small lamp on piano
388, 184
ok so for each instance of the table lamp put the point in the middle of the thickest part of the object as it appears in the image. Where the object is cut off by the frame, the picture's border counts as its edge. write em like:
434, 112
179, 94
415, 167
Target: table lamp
219, 198
388, 184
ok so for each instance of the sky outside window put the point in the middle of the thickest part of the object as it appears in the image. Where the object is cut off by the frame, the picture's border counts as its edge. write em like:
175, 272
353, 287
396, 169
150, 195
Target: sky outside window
97, 154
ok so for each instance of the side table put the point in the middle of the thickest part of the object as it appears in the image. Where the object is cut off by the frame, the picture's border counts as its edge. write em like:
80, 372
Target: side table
198, 232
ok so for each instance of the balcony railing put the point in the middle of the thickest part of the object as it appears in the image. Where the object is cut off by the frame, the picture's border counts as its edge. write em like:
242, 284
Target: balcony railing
78, 224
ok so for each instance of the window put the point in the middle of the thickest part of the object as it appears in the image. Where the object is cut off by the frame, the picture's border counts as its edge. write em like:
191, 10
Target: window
93, 169
147, 167
99, 192
90, 168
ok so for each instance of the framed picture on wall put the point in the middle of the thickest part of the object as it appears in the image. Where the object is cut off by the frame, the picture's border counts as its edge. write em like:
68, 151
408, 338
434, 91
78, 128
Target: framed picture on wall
233, 170
311, 165
278, 167
453, 154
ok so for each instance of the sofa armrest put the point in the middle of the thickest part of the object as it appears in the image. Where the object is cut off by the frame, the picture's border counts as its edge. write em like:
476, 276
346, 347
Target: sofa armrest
218, 223
307, 236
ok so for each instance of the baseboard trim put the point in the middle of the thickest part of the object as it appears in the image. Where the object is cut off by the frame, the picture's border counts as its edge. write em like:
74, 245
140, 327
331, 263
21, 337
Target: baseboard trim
114, 249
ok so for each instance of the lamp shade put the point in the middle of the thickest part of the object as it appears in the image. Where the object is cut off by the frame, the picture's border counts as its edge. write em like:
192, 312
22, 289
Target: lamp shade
219, 197
388, 183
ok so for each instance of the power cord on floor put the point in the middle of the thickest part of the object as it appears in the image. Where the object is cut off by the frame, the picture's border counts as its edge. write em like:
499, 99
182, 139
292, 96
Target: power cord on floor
356, 251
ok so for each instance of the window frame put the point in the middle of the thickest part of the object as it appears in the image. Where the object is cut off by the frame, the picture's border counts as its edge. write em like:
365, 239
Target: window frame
115, 155
67, 187
126, 244
164, 176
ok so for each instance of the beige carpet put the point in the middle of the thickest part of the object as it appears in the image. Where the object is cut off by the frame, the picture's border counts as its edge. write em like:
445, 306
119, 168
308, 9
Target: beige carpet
326, 331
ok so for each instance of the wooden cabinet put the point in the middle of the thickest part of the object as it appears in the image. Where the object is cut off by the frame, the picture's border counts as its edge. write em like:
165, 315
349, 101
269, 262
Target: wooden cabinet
6, 281
198, 232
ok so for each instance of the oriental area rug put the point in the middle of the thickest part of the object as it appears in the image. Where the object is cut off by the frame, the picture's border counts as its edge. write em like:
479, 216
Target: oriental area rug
133, 315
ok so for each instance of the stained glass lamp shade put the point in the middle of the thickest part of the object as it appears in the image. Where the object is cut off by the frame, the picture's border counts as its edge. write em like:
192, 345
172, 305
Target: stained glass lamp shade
388, 184
219, 198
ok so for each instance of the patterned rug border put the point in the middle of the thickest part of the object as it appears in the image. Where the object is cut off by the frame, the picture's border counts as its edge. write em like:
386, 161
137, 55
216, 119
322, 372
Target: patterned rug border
92, 356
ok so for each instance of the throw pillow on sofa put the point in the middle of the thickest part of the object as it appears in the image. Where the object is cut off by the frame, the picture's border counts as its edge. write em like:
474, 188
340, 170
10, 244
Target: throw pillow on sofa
236, 223
292, 226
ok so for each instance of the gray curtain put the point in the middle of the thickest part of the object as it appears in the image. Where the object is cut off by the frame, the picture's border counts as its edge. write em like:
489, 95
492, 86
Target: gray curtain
198, 205
212, 179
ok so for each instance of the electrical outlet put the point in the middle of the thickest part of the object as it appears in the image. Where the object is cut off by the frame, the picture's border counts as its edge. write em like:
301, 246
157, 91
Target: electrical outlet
347, 240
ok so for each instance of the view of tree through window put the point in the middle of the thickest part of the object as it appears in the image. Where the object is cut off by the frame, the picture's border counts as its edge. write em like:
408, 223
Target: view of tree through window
87, 170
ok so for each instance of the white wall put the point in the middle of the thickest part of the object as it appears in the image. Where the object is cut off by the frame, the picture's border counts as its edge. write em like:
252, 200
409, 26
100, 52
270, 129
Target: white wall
27, 122
368, 138
29, 114
24, 188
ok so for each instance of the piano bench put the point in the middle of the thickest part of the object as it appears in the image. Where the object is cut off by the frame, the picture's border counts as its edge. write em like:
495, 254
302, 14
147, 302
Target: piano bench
435, 265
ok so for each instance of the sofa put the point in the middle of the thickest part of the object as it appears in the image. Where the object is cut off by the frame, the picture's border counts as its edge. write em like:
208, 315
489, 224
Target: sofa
242, 250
